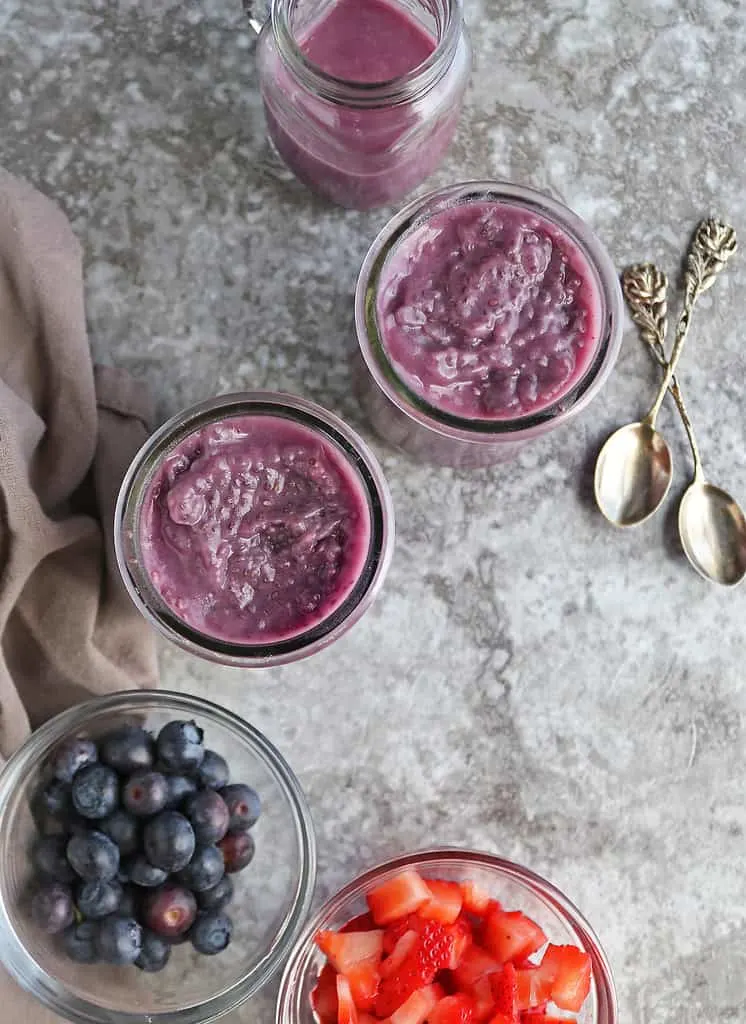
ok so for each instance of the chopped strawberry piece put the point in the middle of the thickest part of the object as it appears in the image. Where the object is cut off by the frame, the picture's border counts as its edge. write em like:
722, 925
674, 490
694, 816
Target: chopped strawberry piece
395, 931
455, 1009
367, 1018
475, 963
503, 1018
436, 949
476, 900
399, 953
484, 1001
324, 996
347, 1013
568, 970
364, 980
398, 897
511, 936
534, 989
344, 950
543, 1018
505, 991
361, 923
445, 902
418, 1006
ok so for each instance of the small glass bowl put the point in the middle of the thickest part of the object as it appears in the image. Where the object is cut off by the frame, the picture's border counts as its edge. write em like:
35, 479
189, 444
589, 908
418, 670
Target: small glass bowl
273, 894
333, 431
516, 887
408, 422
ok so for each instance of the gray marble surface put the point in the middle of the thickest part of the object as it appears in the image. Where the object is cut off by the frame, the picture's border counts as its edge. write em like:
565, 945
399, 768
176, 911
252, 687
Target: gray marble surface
530, 682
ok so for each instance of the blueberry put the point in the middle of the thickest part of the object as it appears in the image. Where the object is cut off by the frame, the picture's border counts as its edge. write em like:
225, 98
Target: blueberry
154, 954
204, 870
124, 829
169, 841
170, 910
49, 857
71, 756
141, 872
119, 940
129, 903
52, 807
180, 747
145, 793
243, 805
238, 850
211, 933
52, 907
79, 942
94, 856
99, 899
218, 897
213, 772
95, 791
208, 815
179, 788
127, 749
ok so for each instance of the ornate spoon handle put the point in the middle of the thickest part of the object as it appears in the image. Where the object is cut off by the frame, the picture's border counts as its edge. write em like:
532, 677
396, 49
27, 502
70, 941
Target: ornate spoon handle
644, 287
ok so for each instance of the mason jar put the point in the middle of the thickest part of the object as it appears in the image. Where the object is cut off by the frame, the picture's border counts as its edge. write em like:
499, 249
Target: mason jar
362, 144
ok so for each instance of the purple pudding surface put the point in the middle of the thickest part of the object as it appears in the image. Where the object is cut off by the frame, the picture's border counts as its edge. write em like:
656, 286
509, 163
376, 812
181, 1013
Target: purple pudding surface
367, 41
489, 311
254, 529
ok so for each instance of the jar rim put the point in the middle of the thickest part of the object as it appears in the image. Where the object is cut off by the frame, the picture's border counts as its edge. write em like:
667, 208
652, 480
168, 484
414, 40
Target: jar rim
349, 445
405, 89
481, 431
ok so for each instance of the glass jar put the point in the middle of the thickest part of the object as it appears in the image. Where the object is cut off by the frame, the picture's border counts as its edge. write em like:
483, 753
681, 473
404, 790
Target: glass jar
281, 420
405, 417
514, 886
362, 144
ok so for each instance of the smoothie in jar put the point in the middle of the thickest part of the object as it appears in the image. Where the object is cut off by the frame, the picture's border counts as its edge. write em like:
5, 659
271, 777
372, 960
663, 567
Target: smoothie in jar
488, 311
254, 529
362, 97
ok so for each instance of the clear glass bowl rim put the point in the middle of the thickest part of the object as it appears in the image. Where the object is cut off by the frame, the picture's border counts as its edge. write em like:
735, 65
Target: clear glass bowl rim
496, 431
291, 982
300, 410
31, 754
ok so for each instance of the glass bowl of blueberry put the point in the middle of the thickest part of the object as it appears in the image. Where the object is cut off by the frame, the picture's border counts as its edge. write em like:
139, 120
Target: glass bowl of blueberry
157, 861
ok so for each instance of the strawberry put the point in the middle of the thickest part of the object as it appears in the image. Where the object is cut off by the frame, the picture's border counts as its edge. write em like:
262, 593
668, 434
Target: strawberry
484, 1001
418, 1006
324, 996
437, 947
511, 936
475, 963
568, 970
543, 1018
399, 953
505, 991
533, 988
367, 1018
364, 980
361, 923
394, 932
445, 902
476, 900
347, 1012
398, 897
344, 950
503, 1018
455, 1009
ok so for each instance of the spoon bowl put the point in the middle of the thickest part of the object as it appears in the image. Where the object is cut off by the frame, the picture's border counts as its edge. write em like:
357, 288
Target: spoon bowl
713, 533
633, 474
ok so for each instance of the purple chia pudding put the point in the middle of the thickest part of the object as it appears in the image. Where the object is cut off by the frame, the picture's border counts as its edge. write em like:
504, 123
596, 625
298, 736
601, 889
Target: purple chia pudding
254, 529
488, 311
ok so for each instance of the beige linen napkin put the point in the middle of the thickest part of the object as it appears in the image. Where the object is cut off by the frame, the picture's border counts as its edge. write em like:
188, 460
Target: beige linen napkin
67, 626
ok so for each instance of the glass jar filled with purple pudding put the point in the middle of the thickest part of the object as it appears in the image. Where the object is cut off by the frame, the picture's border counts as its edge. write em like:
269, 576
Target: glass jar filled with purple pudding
487, 315
362, 97
254, 529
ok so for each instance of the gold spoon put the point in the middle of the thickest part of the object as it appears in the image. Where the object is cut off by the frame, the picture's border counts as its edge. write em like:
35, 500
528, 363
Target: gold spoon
711, 524
634, 467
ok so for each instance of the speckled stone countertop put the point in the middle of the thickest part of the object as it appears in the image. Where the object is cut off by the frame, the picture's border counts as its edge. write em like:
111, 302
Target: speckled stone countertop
530, 682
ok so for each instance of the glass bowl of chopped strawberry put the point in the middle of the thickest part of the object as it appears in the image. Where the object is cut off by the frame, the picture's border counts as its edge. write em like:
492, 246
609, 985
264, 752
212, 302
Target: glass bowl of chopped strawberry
448, 936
